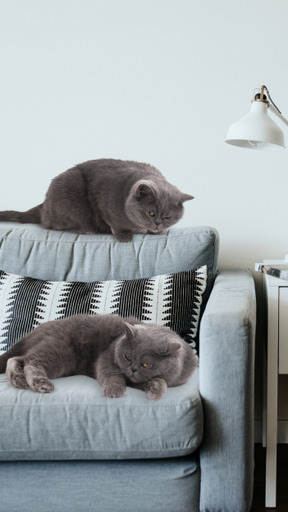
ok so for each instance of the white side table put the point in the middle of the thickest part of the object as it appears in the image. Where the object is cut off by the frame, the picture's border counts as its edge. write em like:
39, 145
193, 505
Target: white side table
277, 363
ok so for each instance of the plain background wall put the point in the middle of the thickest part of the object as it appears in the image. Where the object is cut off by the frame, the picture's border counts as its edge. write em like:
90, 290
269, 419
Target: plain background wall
158, 81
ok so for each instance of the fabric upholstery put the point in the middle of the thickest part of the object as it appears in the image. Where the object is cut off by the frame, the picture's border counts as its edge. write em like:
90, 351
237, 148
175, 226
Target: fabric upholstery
77, 421
33, 251
161, 485
227, 334
227, 337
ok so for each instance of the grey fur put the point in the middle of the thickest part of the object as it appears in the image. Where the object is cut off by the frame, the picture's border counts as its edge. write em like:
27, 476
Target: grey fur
106, 347
107, 196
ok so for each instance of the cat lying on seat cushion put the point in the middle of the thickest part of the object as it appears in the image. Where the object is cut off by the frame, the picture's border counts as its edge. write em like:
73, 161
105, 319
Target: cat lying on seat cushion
115, 351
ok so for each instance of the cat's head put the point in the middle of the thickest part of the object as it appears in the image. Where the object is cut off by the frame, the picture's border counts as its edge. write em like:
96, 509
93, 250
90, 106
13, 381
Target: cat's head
147, 351
154, 207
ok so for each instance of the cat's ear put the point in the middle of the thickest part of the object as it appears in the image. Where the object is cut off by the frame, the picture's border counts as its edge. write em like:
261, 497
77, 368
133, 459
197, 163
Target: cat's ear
185, 197
171, 348
143, 190
129, 331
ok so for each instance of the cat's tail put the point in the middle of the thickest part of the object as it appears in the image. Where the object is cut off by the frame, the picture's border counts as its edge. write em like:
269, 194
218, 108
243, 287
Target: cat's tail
3, 362
33, 215
16, 350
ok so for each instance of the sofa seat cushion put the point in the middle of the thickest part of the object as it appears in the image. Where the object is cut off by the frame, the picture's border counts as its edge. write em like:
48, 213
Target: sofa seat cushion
77, 421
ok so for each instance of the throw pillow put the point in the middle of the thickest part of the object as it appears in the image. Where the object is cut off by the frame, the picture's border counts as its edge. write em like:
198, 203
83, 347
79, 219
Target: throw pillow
173, 300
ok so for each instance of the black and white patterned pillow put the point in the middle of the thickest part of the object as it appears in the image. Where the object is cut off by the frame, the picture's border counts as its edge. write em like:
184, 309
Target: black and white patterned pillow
172, 300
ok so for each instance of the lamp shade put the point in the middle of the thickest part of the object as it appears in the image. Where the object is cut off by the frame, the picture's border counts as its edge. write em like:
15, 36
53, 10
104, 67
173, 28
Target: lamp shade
256, 130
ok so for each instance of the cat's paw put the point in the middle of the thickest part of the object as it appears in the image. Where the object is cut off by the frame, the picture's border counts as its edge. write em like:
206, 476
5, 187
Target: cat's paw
158, 232
114, 390
41, 385
156, 389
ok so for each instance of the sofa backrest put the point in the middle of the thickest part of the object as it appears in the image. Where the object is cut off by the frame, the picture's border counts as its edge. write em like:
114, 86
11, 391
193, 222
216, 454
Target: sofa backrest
33, 251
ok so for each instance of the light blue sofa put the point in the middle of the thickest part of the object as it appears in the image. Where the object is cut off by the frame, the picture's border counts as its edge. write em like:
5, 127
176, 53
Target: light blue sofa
75, 450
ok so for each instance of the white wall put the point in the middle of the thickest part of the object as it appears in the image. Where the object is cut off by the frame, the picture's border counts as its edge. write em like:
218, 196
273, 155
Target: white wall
152, 80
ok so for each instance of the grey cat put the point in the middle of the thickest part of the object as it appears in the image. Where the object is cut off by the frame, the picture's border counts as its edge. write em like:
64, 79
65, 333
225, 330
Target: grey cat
107, 196
113, 350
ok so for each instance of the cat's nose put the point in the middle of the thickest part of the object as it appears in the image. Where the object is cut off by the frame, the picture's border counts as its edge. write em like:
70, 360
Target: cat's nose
133, 370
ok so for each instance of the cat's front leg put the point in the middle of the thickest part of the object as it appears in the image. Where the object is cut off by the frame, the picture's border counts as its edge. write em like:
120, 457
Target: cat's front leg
156, 388
122, 235
109, 375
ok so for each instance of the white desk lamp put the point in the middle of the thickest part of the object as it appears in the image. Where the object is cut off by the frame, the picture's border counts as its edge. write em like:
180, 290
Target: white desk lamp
257, 130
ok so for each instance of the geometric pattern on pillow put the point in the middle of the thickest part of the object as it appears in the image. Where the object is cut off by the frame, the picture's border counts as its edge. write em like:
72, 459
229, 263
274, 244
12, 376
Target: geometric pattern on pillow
173, 300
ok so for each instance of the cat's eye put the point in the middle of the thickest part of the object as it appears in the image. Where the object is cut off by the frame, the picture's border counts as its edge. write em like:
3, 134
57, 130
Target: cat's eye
146, 365
151, 213
127, 357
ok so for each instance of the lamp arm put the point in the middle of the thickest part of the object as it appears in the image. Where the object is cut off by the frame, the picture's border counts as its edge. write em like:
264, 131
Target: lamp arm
278, 114
272, 105
262, 96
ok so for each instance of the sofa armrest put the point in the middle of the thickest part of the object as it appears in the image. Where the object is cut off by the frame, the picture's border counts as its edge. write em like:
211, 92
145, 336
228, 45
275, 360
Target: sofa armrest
227, 339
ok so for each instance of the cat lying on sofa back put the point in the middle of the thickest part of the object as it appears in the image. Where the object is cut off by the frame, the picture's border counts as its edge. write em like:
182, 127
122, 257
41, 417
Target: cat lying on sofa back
113, 350
107, 196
